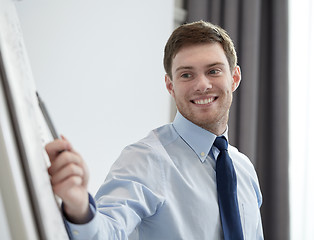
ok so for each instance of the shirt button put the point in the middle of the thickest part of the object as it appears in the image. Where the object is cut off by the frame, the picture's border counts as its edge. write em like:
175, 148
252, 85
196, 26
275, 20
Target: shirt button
75, 232
202, 154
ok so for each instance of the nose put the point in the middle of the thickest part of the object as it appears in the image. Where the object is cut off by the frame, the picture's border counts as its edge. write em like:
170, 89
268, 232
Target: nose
203, 83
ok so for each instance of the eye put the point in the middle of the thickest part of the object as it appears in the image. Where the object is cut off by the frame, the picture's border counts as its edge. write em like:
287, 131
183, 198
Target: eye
186, 75
214, 71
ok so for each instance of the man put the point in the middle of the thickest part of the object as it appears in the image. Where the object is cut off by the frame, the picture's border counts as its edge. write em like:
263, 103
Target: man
165, 186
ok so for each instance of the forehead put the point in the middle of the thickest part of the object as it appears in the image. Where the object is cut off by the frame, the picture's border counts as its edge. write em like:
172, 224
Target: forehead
200, 54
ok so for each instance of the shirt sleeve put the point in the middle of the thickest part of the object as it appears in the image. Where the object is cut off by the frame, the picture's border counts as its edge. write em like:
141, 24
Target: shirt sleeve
259, 232
84, 231
132, 191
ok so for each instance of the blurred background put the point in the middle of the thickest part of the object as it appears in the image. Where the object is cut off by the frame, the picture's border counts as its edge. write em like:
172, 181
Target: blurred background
98, 67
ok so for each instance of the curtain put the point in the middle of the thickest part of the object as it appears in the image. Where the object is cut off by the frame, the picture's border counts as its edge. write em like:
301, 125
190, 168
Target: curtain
258, 124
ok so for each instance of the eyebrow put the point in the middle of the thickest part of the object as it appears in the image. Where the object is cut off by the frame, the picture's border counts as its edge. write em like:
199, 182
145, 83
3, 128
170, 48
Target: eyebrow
207, 66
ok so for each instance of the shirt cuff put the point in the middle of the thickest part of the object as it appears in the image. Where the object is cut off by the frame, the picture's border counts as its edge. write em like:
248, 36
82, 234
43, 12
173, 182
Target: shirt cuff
87, 230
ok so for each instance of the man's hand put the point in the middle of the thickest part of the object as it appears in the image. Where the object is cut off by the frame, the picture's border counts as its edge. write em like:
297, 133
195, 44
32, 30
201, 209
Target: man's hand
69, 178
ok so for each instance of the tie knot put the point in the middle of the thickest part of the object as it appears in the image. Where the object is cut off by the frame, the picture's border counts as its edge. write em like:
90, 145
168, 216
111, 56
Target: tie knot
221, 143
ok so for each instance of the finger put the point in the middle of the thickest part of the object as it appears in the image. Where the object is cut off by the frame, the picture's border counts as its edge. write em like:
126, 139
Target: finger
86, 174
70, 170
65, 139
63, 159
71, 149
64, 188
54, 148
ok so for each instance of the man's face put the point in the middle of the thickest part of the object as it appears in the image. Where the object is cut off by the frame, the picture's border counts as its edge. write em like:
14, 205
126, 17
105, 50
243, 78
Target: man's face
202, 85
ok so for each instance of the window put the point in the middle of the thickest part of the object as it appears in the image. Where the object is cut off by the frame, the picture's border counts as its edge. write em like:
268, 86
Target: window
301, 68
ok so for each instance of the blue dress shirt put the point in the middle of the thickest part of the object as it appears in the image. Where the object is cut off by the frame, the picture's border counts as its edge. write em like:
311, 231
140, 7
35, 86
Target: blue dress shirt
164, 187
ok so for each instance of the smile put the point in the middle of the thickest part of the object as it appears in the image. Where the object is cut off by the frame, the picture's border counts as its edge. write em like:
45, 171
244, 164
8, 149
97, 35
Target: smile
204, 101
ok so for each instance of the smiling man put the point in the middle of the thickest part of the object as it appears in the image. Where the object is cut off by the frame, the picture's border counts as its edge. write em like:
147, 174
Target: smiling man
202, 85
182, 181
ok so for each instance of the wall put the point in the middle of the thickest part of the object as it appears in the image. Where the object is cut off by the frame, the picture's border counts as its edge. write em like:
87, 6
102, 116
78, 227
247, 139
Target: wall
98, 67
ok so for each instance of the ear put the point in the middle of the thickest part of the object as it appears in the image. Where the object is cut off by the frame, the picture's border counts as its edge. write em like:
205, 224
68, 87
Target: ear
169, 85
236, 78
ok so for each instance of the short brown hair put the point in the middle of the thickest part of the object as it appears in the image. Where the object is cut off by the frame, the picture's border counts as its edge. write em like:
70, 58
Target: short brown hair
198, 33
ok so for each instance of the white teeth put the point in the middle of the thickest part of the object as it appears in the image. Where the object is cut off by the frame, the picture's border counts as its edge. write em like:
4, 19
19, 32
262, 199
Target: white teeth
204, 101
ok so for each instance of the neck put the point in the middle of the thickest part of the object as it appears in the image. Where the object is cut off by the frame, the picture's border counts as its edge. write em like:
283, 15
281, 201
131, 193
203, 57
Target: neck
217, 130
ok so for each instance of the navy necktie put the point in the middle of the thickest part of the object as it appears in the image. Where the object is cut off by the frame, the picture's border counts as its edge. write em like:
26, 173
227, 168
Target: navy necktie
227, 193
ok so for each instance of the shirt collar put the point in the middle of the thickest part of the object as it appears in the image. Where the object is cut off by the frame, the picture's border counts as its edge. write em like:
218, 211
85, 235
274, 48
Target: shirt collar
199, 139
